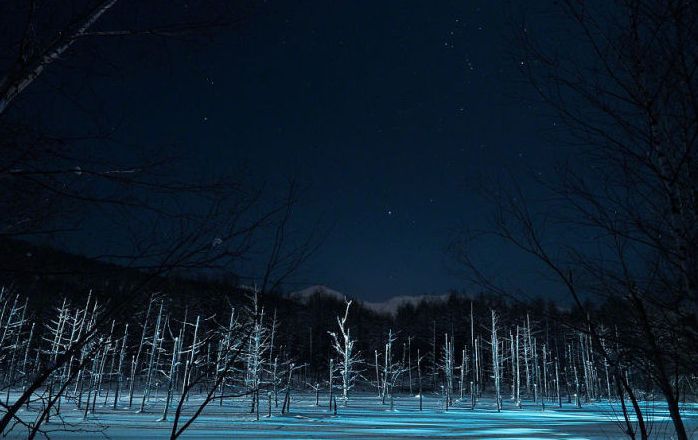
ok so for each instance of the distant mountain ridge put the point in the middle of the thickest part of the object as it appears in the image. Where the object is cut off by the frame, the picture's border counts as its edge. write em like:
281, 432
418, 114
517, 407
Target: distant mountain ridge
43, 272
387, 307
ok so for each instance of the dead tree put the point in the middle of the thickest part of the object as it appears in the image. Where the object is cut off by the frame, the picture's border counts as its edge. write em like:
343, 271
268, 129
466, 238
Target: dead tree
630, 98
392, 369
234, 338
446, 365
496, 363
348, 358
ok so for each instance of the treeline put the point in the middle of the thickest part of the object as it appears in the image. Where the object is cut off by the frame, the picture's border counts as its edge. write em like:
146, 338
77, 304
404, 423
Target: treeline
121, 339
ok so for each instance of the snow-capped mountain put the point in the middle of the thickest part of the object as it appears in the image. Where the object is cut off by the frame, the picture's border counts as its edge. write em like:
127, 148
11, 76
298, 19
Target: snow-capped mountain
305, 294
389, 306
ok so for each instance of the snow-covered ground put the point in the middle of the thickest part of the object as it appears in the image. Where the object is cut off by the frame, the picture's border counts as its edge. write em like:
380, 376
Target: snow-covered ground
366, 418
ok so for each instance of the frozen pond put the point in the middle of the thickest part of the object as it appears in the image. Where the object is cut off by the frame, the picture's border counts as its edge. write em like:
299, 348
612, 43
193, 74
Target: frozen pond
365, 417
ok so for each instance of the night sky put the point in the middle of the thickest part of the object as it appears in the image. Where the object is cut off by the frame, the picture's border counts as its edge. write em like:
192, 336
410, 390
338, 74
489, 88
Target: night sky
391, 112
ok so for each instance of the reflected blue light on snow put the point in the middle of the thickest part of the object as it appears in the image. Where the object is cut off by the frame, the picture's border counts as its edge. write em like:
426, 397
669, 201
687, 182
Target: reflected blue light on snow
365, 417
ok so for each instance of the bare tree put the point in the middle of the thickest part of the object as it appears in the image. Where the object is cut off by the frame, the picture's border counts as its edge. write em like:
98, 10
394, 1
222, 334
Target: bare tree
496, 362
348, 357
40, 35
231, 342
48, 180
628, 102
446, 365
634, 106
392, 368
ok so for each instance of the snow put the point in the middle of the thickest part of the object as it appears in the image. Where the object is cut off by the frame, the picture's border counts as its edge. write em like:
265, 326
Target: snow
365, 417
307, 293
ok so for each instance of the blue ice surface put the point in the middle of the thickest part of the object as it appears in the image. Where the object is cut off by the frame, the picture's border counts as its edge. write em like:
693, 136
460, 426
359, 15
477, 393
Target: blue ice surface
365, 417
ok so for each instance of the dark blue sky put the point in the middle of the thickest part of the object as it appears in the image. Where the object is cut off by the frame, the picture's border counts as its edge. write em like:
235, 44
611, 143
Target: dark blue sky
391, 111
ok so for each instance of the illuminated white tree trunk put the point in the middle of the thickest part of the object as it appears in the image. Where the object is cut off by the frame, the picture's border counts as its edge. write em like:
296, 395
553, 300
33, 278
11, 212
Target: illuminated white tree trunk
517, 377
557, 383
496, 363
378, 377
343, 345
119, 371
151, 360
447, 369
136, 359
171, 378
257, 347
513, 366
463, 367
